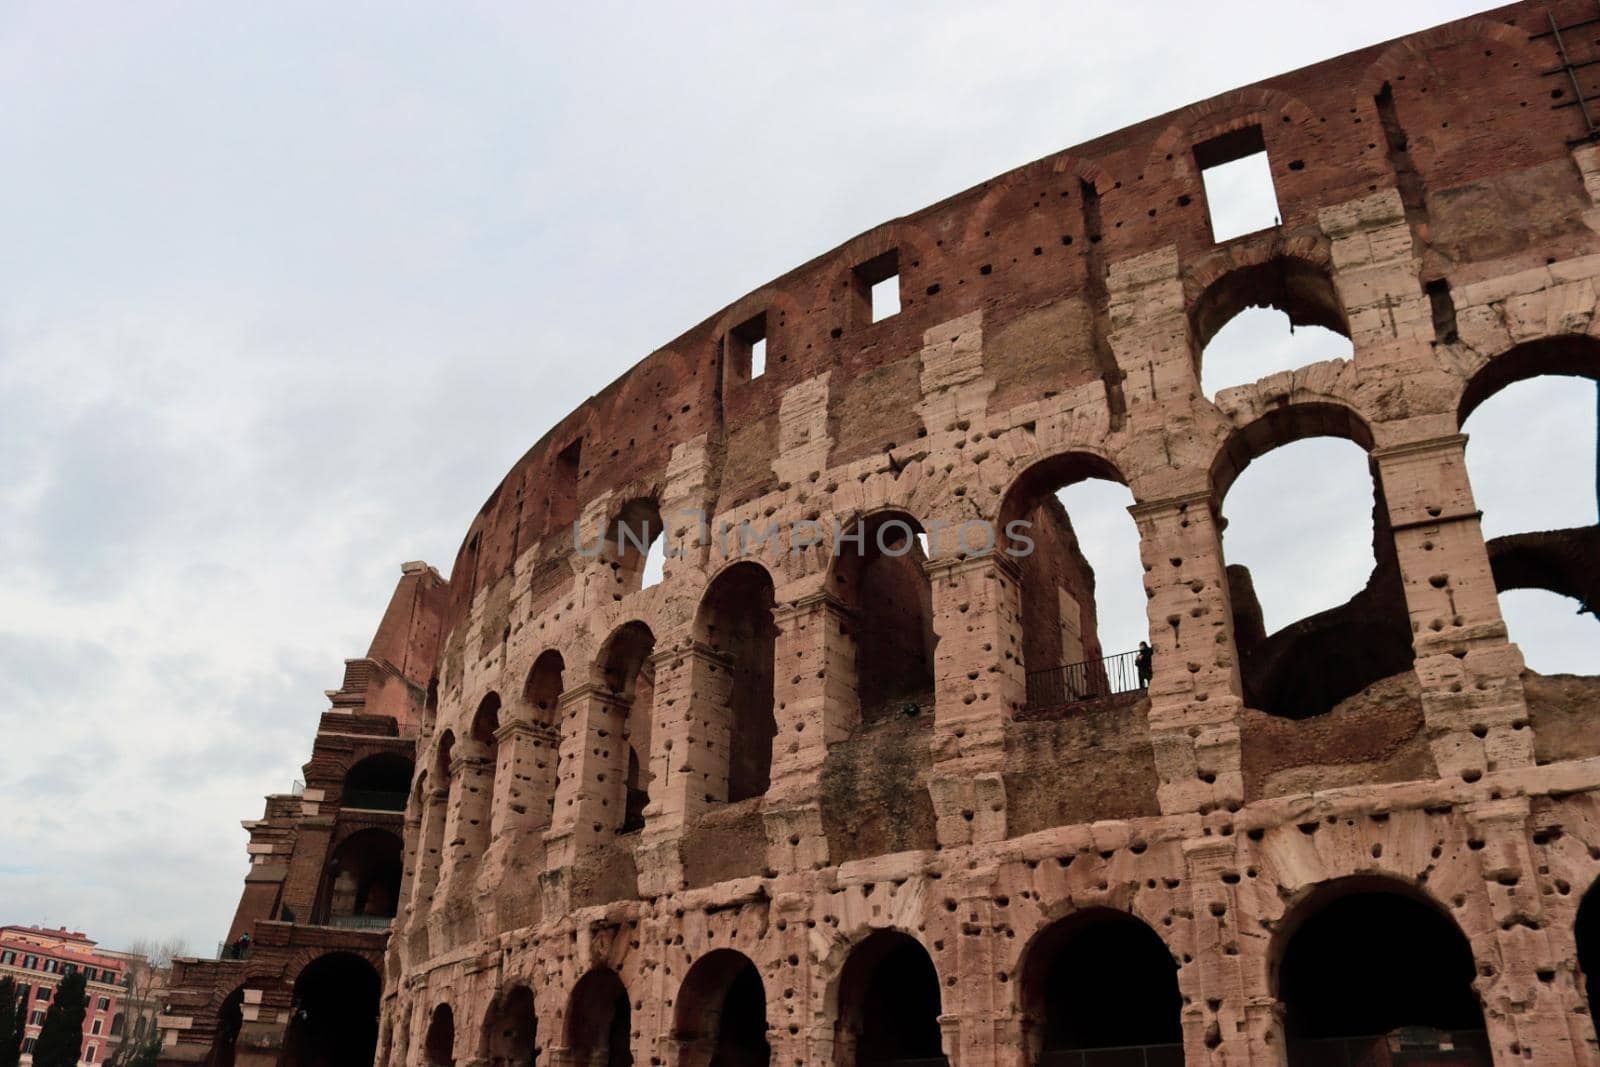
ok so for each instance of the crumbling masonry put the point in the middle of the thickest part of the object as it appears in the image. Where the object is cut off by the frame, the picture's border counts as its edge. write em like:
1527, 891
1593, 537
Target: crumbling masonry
796, 807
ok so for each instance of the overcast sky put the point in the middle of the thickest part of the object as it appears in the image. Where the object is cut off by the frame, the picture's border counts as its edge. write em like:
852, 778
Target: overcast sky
285, 289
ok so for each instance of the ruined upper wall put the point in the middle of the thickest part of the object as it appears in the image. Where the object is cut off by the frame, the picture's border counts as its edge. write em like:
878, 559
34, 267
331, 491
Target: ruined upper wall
1470, 107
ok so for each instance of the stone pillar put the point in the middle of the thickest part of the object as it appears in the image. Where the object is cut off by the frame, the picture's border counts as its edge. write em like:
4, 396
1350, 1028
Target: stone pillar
1471, 675
795, 1031
978, 685
1195, 693
975, 1012
524, 782
591, 790
430, 847
1223, 1019
1527, 997
466, 825
816, 704
689, 757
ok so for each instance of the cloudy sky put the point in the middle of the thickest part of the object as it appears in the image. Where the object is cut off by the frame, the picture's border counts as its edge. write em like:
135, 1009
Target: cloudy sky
285, 289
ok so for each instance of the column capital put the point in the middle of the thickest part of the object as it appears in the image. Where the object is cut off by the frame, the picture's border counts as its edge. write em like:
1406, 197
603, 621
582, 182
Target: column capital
1455, 442
1149, 509
952, 566
810, 604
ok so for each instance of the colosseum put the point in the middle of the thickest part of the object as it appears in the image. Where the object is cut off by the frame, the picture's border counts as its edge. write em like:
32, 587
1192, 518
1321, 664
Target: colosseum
856, 783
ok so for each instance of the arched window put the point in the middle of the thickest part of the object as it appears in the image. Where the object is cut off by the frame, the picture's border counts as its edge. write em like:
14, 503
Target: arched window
600, 1021
888, 1010
1362, 960
542, 692
721, 1013
1531, 418
1101, 979
361, 884
230, 1019
627, 671
879, 573
1319, 611
635, 547
510, 1030
1258, 320
439, 1046
335, 1019
1065, 522
378, 783
735, 621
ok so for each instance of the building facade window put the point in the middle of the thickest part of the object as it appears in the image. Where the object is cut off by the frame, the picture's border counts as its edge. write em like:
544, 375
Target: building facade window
95, 1029
105, 1003
38, 1018
8, 957
44, 993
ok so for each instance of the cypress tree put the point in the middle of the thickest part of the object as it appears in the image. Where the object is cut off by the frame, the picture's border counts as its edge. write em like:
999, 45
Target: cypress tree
11, 1051
61, 1039
10, 1045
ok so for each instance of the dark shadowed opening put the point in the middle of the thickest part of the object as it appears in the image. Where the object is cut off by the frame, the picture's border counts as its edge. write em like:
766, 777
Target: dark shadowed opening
627, 671
379, 783
600, 1021
735, 620
334, 1021
1102, 979
889, 1004
439, 1046
510, 1031
230, 1018
544, 687
721, 1015
1363, 959
361, 884
881, 578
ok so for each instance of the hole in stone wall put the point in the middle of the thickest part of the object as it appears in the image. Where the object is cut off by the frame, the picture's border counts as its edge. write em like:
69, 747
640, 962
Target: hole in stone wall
1531, 456
745, 350
1240, 197
875, 288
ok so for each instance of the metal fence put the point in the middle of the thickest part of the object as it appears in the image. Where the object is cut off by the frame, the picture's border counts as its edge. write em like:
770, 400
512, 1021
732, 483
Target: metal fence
1430, 1048
1121, 1056
1057, 687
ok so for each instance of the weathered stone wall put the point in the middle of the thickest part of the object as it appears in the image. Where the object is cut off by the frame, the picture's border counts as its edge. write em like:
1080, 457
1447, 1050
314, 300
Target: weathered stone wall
1052, 328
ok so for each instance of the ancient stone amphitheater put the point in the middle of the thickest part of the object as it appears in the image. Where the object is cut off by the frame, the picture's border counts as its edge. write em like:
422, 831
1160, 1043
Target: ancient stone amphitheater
887, 800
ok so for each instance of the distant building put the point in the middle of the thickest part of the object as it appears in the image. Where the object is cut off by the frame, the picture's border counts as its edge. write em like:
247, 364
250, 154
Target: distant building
37, 959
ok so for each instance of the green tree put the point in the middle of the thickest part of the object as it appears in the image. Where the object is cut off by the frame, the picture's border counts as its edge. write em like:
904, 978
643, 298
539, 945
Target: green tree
11, 1051
61, 1038
10, 1031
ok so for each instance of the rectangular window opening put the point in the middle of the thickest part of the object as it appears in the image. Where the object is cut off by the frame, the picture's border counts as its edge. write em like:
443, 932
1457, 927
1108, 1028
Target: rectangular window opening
745, 350
1237, 175
876, 285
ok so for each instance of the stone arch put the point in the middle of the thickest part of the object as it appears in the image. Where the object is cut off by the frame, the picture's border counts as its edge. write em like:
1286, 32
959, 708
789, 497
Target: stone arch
1355, 957
885, 1002
1198, 123
634, 529
599, 1023
1073, 982
734, 622
510, 1035
880, 574
720, 1014
230, 1020
1284, 426
439, 1043
916, 249
541, 692
361, 880
625, 669
1571, 355
1062, 167
335, 1016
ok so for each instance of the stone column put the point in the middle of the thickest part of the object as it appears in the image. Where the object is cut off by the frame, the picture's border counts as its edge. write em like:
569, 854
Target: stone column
1527, 997
689, 757
816, 704
1471, 675
1195, 693
979, 686
591, 787
975, 1012
524, 782
466, 825
1223, 1020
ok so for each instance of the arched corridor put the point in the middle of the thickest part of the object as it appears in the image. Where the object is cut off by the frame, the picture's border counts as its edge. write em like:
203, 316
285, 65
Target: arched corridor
334, 1022
1099, 980
1362, 959
735, 621
721, 1014
888, 1005
439, 1044
510, 1031
600, 1022
628, 673
361, 885
378, 783
879, 574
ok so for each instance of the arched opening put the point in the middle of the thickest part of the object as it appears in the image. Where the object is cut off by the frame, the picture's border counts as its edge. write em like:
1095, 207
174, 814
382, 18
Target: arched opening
361, 883
486, 723
1101, 980
543, 689
1258, 320
334, 1020
879, 572
721, 1014
439, 1045
433, 800
1066, 525
600, 1021
378, 783
634, 547
1532, 421
510, 1032
628, 672
117, 1024
230, 1019
888, 1011
1586, 932
735, 622
1364, 963
1319, 610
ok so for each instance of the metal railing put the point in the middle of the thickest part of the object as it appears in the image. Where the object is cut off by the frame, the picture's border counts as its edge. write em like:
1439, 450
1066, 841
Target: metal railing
360, 922
1058, 687
1430, 1048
